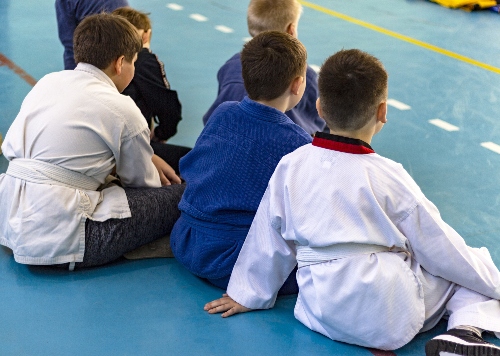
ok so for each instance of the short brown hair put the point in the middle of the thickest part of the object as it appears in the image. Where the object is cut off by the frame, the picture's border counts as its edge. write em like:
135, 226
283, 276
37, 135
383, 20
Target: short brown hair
137, 18
270, 62
351, 85
271, 15
102, 38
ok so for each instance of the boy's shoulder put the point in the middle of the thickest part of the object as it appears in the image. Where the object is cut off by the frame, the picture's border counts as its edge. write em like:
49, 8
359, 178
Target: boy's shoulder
231, 71
234, 61
394, 175
248, 121
387, 180
98, 88
379, 165
145, 55
149, 69
249, 113
388, 163
147, 61
227, 108
88, 91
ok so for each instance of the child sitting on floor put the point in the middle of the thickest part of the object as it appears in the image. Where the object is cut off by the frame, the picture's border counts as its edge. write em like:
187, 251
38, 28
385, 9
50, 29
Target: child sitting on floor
229, 167
151, 92
75, 128
271, 15
377, 264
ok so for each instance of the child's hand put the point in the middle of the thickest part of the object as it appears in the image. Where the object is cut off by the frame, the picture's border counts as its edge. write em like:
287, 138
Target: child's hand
167, 173
225, 304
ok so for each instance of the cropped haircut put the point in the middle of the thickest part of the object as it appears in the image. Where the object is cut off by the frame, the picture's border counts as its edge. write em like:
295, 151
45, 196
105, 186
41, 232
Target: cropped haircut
351, 85
272, 15
137, 18
102, 38
270, 62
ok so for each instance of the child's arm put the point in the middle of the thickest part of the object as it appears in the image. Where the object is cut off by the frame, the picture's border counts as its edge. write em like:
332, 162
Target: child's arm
234, 91
225, 304
441, 251
167, 173
137, 166
168, 111
157, 97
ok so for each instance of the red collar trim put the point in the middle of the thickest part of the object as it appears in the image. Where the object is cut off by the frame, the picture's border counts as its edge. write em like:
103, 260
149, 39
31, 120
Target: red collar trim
341, 144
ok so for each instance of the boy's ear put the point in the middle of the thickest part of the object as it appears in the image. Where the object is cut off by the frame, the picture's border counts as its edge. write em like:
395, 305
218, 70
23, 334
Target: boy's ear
118, 64
318, 107
146, 37
382, 112
291, 30
295, 87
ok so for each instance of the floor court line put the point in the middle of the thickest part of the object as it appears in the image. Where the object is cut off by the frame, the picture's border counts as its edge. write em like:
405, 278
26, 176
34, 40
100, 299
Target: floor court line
198, 17
175, 7
444, 125
398, 105
224, 29
4, 61
491, 146
401, 37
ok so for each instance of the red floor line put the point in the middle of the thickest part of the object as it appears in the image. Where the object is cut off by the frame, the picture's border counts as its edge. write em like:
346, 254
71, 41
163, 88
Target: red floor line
376, 352
4, 61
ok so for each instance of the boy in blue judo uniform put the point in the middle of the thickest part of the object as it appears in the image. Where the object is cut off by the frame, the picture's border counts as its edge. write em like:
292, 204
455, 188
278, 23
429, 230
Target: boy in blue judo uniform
228, 169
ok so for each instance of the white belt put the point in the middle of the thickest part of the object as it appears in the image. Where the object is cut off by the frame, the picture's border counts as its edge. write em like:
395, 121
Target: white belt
40, 172
307, 256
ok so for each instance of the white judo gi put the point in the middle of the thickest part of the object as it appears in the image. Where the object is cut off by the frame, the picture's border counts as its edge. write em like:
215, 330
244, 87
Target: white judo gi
73, 128
377, 264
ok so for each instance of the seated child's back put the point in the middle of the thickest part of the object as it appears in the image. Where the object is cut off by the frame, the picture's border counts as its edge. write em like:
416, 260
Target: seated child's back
150, 88
271, 15
228, 169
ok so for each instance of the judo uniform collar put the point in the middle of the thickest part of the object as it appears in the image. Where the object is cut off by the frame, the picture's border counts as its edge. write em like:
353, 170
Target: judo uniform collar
341, 143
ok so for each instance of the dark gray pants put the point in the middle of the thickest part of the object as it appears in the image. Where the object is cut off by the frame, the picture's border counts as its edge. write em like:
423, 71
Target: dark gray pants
154, 213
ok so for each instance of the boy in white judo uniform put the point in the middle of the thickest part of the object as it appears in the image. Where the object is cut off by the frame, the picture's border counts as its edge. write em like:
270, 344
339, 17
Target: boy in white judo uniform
73, 130
377, 264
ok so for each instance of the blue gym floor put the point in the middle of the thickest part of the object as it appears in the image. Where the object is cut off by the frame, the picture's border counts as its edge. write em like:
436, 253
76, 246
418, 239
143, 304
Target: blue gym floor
443, 64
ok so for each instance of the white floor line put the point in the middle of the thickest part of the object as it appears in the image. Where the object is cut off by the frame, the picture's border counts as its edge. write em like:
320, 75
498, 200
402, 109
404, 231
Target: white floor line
444, 125
398, 105
315, 67
175, 7
491, 146
198, 17
224, 29
246, 39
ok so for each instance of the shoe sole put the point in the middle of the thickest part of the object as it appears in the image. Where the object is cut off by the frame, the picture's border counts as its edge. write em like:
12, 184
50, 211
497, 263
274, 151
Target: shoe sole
457, 346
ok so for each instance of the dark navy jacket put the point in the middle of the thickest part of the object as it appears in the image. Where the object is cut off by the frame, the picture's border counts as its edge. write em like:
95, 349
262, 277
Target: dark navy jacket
151, 92
71, 12
232, 88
